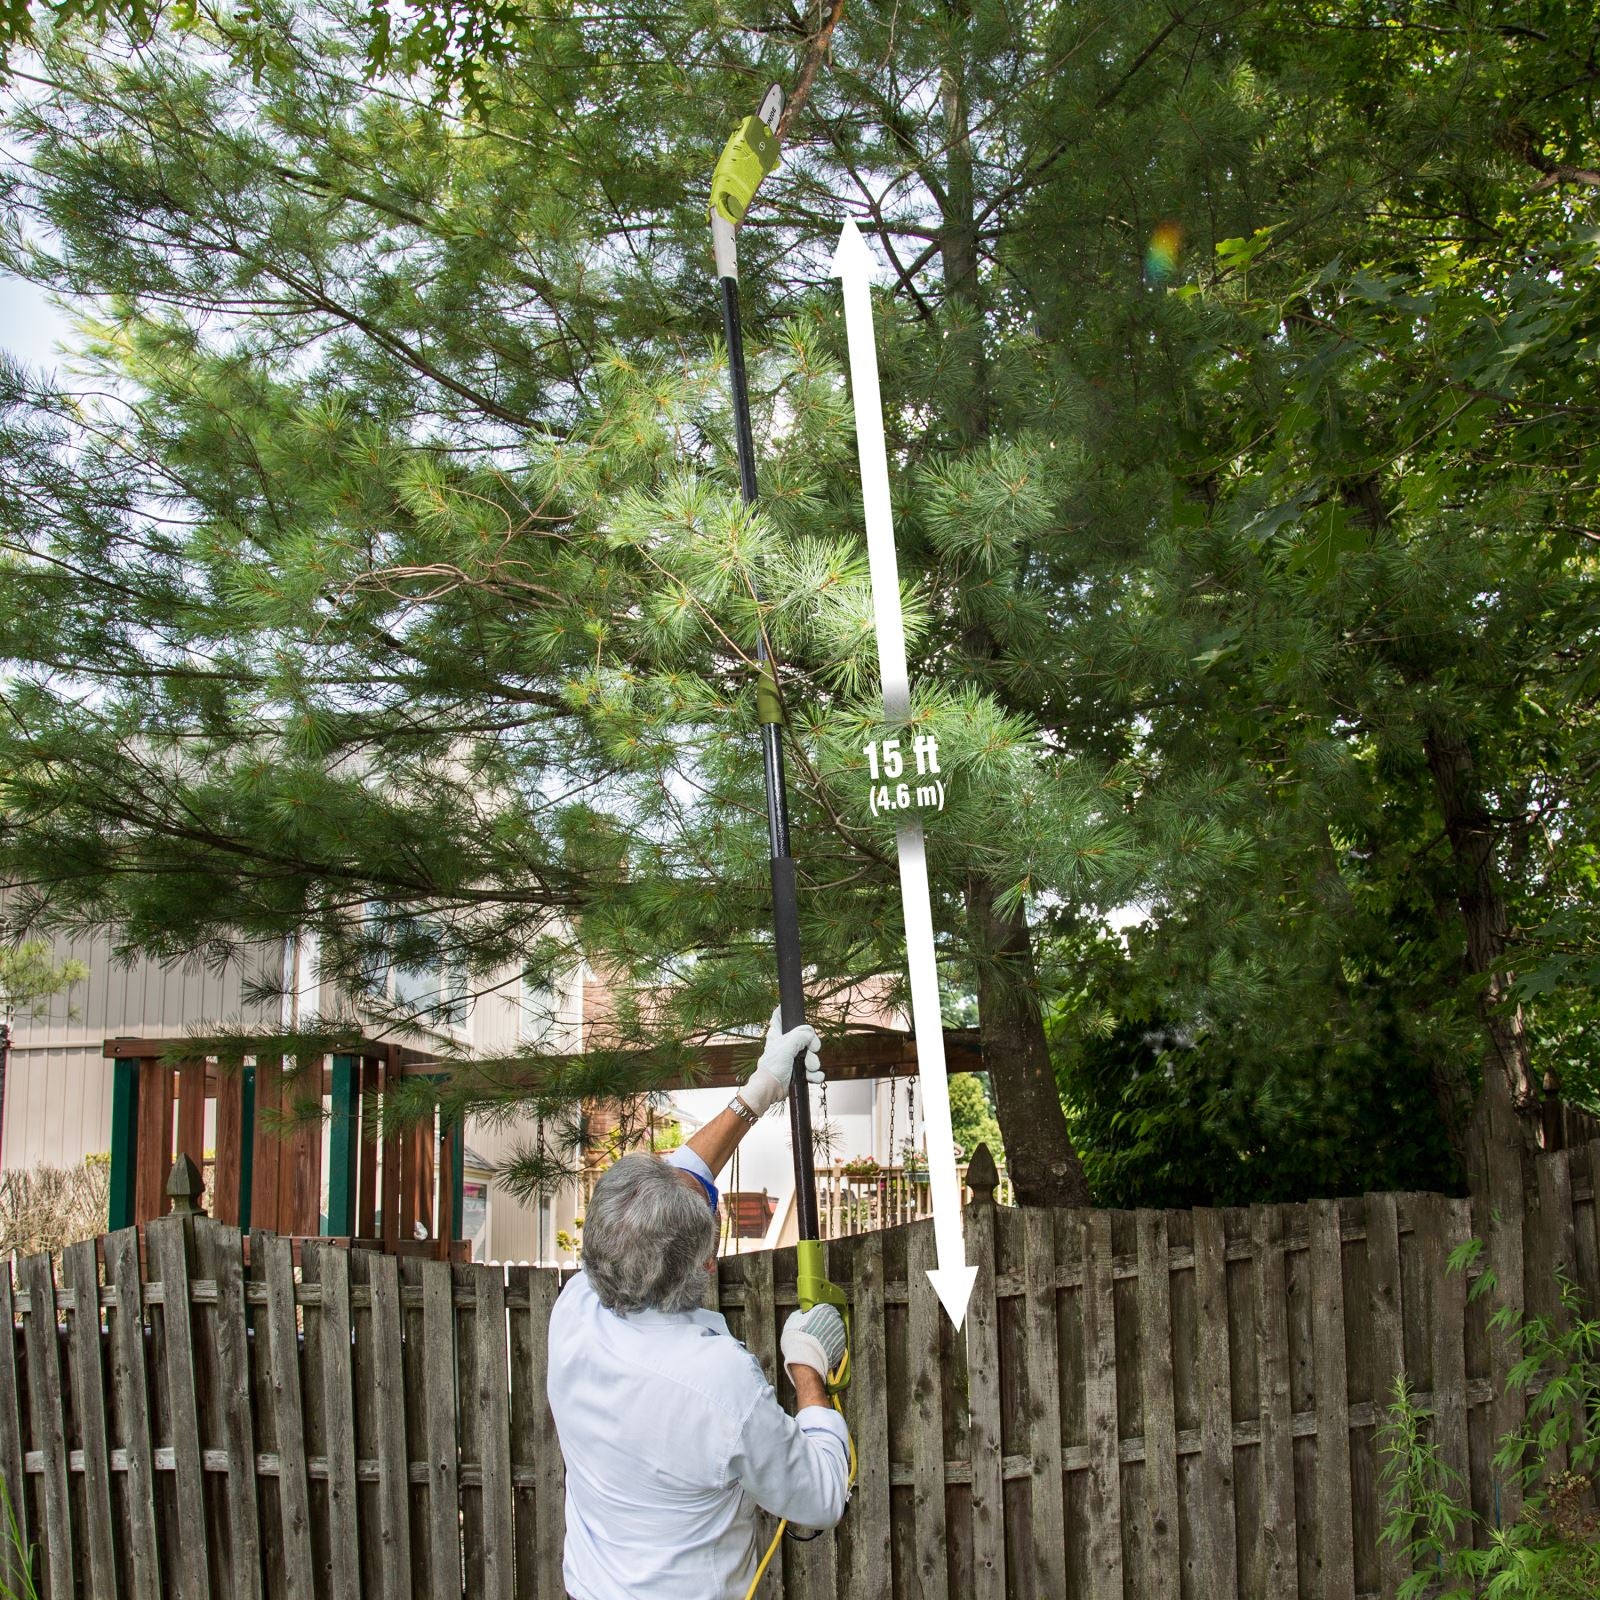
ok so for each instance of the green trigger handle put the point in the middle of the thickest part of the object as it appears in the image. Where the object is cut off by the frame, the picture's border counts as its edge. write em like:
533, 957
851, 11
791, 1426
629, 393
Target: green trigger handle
816, 1289
769, 703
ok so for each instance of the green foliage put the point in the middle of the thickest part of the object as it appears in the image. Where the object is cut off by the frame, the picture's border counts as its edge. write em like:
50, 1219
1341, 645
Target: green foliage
442, 645
1176, 1105
20, 1553
29, 975
972, 1117
1552, 1551
391, 553
1344, 658
1161, 1120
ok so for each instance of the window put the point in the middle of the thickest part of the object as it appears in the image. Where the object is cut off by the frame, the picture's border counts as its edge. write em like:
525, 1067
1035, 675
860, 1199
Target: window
426, 980
436, 990
541, 1006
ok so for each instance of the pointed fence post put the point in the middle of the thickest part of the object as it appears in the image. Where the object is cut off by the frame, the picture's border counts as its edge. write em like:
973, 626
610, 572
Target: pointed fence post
185, 1186
983, 1177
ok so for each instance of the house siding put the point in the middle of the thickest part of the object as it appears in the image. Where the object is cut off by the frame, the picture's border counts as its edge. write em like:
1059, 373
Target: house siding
496, 1024
58, 1085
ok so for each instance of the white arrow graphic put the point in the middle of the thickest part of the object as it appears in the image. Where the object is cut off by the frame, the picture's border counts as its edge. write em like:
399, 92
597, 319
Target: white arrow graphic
952, 1279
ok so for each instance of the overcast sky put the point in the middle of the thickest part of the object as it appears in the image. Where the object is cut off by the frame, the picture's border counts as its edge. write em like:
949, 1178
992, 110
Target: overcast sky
30, 327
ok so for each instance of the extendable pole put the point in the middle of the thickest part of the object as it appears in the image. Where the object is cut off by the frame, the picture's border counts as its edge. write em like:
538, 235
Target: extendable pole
751, 153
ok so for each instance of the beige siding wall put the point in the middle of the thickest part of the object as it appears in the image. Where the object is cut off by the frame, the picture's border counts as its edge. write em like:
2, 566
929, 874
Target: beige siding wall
140, 998
58, 1107
496, 1029
514, 1225
58, 1085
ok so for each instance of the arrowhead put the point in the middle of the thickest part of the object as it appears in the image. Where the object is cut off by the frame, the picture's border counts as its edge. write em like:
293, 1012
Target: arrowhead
851, 258
953, 1285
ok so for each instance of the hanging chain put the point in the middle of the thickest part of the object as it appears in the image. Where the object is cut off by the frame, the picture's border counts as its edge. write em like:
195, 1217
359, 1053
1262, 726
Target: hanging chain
911, 1125
893, 1085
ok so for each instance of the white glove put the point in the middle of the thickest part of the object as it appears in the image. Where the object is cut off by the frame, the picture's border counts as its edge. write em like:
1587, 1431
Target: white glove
814, 1339
769, 1083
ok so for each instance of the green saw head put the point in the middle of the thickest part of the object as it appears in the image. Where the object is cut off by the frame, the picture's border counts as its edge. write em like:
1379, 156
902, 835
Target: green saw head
750, 154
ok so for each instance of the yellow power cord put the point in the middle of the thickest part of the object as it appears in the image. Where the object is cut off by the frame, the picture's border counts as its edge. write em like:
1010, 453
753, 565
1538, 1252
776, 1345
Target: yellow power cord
835, 1381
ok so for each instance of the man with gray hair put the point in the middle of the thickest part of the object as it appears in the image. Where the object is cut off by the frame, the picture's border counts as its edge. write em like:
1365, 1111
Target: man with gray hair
671, 1433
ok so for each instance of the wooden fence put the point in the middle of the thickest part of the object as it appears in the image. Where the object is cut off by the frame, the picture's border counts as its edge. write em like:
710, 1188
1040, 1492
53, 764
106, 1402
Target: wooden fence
1162, 1405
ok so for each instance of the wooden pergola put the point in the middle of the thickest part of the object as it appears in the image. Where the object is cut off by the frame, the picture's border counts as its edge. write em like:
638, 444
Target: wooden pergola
382, 1192
847, 1058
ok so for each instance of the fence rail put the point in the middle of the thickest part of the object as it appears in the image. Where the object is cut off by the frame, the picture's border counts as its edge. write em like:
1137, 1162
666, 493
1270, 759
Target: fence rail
1168, 1405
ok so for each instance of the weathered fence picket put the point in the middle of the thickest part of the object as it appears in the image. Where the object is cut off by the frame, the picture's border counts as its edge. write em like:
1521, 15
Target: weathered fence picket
1162, 1405
1276, 1554
11, 1446
81, 1272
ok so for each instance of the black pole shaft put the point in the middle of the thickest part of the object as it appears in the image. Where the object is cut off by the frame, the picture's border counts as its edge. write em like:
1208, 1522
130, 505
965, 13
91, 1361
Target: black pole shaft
785, 908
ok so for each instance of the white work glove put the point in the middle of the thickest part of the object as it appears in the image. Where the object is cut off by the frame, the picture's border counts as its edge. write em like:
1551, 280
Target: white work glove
769, 1083
814, 1339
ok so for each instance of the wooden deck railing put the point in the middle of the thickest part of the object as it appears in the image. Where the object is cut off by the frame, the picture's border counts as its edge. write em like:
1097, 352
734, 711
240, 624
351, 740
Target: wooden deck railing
885, 1198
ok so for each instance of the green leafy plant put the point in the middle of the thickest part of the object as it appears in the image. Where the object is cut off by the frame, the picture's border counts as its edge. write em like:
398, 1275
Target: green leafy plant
666, 1136
21, 1550
30, 977
1552, 1551
571, 1243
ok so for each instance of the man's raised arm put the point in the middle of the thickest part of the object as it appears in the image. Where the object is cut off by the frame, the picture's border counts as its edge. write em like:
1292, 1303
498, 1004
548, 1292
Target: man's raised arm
766, 1086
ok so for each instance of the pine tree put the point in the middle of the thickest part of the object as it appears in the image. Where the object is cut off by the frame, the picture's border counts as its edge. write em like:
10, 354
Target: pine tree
30, 976
453, 611
1231, 360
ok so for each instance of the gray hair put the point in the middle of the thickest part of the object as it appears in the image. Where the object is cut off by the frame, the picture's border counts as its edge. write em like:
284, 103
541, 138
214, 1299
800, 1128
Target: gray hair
646, 1238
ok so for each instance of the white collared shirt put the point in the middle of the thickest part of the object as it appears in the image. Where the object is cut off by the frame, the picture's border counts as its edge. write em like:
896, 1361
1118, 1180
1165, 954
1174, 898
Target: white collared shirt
672, 1437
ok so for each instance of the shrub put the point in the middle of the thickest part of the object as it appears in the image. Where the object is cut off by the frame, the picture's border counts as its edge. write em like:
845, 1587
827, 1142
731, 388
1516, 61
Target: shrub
1552, 1551
48, 1208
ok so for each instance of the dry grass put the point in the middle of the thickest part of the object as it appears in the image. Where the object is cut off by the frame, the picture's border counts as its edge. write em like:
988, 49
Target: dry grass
48, 1208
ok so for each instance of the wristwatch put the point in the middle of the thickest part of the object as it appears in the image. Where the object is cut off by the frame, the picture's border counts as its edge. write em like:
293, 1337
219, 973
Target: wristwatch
742, 1111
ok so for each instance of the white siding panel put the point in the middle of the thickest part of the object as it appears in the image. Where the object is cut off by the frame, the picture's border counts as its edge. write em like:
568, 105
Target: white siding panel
513, 1224
513, 1229
58, 1107
58, 1086
138, 999
53, 1101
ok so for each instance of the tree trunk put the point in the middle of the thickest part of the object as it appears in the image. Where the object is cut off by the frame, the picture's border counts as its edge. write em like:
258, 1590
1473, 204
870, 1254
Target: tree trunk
1502, 1126
1499, 1130
958, 245
1045, 1169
